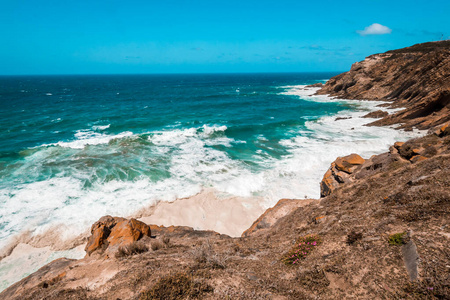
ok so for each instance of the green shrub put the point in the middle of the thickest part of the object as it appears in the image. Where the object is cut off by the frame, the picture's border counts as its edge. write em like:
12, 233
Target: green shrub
303, 247
397, 239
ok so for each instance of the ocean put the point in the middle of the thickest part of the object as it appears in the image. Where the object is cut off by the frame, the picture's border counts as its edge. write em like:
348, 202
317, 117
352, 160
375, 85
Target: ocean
75, 148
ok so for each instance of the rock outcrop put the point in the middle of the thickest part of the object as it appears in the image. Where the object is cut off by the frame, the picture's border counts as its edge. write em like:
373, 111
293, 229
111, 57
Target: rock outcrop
272, 215
340, 172
350, 168
443, 130
416, 78
109, 233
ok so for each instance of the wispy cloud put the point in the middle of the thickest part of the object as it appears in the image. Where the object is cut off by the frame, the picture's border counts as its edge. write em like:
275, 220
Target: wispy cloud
375, 28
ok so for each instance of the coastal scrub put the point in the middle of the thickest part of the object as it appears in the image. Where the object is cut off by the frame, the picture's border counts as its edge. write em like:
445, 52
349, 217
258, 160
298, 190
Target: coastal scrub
303, 247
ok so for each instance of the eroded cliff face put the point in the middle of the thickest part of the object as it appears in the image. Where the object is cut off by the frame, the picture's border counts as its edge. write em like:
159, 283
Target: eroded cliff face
416, 78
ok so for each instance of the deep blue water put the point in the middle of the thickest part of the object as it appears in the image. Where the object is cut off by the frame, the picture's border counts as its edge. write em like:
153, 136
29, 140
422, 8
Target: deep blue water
38, 110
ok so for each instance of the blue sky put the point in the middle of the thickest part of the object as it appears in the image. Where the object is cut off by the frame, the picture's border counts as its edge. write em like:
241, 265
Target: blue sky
208, 36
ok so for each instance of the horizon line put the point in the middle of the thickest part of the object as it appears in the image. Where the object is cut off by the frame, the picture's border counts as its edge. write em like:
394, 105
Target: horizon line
187, 73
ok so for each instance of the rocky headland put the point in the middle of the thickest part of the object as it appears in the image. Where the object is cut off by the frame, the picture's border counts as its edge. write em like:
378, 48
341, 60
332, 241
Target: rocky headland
415, 78
380, 230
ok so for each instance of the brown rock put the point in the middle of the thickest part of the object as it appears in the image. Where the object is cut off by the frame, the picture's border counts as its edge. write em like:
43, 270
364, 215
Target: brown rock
100, 231
348, 163
339, 173
418, 158
406, 151
112, 232
398, 144
376, 164
127, 231
416, 151
376, 114
444, 130
393, 150
328, 184
416, 78
318, 84
97, 239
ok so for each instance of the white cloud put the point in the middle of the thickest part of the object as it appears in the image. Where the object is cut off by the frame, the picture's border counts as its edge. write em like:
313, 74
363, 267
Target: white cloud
375, 28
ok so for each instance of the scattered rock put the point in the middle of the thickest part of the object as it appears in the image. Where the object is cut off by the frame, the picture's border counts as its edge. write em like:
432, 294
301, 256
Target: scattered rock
418, 158
342, 118
376, 114
444, 130
318, 84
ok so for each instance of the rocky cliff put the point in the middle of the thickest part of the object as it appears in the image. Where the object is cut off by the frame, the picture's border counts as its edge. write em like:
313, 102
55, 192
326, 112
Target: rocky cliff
416, 78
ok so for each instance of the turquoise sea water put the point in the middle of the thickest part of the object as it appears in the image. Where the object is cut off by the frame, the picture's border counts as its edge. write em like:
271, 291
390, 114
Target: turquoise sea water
74, 148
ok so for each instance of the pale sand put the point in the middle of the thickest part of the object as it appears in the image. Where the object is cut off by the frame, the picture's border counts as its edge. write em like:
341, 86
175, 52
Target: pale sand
26, 259
208, 210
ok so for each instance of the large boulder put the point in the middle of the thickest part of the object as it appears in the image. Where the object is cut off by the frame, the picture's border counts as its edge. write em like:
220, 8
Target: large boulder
109, 233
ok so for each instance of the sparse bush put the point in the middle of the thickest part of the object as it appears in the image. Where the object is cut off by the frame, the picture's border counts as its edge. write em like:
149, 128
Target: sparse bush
204, 255
430, 151
177, 286
166, 241
352, 237
314, 279
156, 245
131, 249
303, 247
397, 239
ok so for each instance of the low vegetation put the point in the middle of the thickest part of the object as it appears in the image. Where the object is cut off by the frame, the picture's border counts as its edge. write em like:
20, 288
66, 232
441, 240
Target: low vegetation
177, 286
397, 239
132, 249
303, 247
353, 237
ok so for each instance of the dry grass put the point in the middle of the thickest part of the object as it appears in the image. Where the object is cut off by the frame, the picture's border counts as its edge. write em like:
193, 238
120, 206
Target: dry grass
205, 256
177, 286
132, 249
156, 245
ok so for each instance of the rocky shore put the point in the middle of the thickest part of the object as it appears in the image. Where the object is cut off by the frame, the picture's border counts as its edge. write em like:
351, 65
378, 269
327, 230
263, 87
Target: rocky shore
415, 78
380, 229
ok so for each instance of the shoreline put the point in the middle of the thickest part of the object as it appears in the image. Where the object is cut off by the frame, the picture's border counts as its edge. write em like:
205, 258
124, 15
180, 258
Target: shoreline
200, 210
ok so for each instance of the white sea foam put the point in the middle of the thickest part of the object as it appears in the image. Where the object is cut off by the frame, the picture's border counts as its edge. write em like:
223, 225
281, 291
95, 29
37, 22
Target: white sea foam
101, 127
88, 137
208, 130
